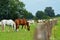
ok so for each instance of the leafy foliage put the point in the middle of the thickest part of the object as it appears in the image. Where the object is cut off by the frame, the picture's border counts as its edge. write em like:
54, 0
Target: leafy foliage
49, 12
41, 15
12, 9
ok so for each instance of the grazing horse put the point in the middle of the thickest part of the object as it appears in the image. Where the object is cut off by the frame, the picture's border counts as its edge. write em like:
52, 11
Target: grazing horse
22, 22
9, 23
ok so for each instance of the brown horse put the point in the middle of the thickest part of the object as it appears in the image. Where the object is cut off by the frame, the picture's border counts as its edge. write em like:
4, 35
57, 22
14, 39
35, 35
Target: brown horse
22, 22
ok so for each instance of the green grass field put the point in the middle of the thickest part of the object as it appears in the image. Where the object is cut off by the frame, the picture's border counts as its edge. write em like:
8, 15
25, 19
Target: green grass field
56, 31
20, 35
28, 35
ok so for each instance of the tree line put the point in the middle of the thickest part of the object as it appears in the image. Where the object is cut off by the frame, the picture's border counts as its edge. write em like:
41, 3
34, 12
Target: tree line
46, 14
12, 9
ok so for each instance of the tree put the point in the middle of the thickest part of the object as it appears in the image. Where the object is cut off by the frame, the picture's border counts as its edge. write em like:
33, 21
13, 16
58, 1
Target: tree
29, 15
15, 8
9, 9
41, 15
12, 9
58, 15
49, 12
4, 8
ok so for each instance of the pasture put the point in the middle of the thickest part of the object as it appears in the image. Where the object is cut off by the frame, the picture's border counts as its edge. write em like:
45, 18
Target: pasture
27, 35
56, 31
20, 35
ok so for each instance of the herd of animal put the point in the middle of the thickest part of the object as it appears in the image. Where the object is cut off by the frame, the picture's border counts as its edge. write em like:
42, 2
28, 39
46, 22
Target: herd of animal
17, 22
14, 24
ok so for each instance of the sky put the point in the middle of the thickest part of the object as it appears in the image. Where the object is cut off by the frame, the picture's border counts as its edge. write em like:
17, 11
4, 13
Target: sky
34, 5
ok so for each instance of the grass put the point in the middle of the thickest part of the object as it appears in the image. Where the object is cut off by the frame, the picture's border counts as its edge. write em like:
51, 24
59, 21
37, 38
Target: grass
56, 31
28, 35
20, 35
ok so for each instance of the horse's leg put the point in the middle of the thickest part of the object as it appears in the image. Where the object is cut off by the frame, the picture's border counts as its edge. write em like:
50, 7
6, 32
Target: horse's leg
22, 27
25, 26
28, 28
14, 26
17, 27
3, 27
8, 28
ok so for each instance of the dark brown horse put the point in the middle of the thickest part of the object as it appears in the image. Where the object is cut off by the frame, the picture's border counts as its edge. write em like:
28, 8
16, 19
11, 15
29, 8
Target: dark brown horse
22, 22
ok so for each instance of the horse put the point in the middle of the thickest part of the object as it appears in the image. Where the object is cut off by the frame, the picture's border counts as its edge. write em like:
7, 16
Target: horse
39, 21
22, 22
9, 23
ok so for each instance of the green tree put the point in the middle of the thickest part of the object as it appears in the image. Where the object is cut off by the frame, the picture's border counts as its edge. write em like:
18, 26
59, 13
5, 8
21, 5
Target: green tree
15, 8
12, 9
29, 15
58, 15
9, 9
26, 14
40, 14
4, 8
49, 12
